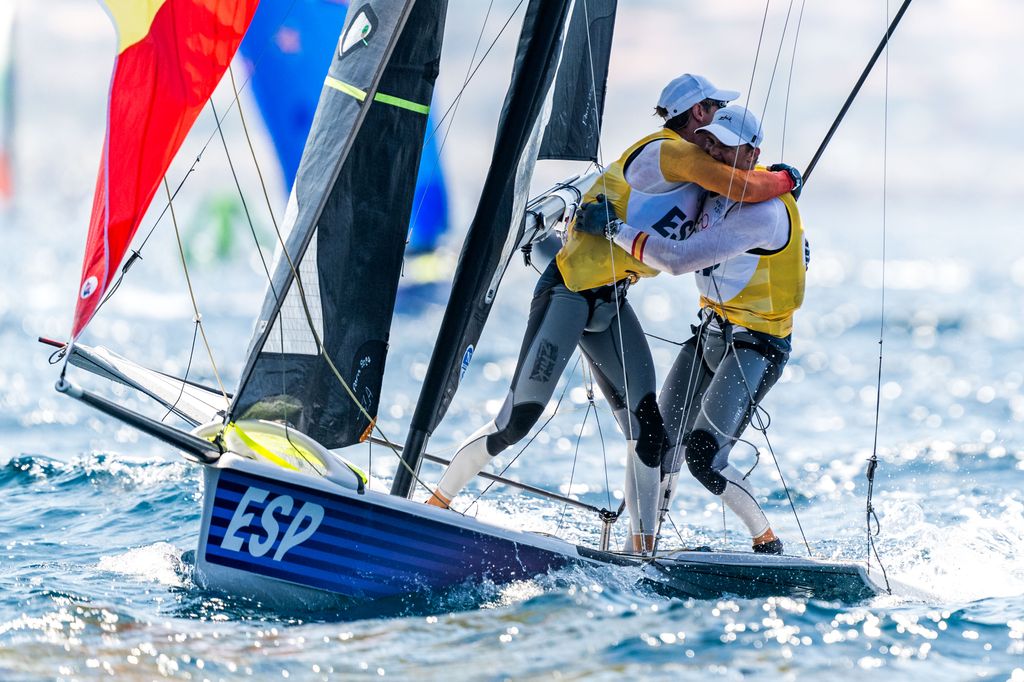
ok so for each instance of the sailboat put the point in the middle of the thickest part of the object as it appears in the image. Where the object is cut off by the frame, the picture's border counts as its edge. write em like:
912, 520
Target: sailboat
285, 519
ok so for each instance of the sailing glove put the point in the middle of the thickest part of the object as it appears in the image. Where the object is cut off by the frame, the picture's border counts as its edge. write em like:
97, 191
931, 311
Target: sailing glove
598, 218
794, 175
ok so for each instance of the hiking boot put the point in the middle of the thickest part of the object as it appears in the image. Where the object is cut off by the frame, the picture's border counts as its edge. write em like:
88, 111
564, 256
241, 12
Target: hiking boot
770, 547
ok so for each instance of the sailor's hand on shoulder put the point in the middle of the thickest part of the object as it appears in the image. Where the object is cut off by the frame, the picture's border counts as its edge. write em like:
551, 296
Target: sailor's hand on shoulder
596, 217
794, 175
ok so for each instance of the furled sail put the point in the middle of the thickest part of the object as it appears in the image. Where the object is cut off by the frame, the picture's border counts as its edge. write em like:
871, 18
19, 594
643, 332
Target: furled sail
497, 225
347, 220
170, 56
288, 49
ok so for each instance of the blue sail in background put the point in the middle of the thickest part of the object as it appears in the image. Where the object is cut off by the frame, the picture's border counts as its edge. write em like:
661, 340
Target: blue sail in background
289, 48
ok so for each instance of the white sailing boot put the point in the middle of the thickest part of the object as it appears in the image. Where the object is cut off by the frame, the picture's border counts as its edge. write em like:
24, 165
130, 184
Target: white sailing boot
739, 497
641, 492
470, 460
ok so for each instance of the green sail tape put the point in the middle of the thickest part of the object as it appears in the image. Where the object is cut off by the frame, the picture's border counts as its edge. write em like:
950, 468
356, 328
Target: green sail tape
379, 97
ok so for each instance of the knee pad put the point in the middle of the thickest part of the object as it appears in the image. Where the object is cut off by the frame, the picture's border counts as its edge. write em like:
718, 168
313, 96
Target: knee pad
652, 441
520, 420
701, 448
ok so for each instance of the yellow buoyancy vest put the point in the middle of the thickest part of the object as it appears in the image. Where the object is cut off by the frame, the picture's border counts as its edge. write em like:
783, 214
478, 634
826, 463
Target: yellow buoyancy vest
760, 290
588, 261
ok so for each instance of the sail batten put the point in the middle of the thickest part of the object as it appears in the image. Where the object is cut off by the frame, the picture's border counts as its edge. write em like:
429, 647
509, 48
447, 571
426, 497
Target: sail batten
346, 227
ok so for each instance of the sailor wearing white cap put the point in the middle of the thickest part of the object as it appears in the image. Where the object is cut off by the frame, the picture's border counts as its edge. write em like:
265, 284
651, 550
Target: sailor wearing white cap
580, 300
749, 260
687, 90
734, 126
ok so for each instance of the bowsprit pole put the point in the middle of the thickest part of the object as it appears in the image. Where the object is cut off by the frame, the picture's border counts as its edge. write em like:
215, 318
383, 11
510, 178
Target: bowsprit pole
856, 89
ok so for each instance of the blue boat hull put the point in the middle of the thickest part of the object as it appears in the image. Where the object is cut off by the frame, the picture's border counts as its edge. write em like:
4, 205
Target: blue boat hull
291, 540
281, 537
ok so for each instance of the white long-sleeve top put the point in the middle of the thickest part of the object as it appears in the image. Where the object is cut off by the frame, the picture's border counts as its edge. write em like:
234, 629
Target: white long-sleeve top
731, 229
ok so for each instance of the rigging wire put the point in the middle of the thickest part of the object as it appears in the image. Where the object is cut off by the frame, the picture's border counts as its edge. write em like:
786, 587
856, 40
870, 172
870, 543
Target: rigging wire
188, 281
575, 459
462, 90
789, 80
588, 381
662, 338
238, 186
873, 461
588, 373
184, 379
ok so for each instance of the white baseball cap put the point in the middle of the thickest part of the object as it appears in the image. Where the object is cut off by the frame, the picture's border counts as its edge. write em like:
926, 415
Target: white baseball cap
734, 125
683, 92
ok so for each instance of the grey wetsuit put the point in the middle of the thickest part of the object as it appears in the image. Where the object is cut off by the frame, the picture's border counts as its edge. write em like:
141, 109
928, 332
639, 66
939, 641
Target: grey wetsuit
708, 398
602, 323
560, 320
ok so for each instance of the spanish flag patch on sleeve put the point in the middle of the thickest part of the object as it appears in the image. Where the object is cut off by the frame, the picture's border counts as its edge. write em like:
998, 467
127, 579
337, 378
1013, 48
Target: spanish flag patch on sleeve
637, 250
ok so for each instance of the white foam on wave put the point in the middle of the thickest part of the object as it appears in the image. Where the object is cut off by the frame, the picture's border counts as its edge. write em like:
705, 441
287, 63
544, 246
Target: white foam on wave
980, 556
160, 562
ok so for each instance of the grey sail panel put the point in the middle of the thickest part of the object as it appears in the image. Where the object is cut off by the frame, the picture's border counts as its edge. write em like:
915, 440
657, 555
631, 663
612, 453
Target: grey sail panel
574, 129
347, 222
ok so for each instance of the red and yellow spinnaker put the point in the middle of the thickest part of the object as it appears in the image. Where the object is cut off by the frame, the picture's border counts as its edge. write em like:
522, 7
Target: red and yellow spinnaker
170, 56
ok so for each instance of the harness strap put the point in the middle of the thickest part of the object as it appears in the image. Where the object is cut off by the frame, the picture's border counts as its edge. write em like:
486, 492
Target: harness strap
768, 351
746, 339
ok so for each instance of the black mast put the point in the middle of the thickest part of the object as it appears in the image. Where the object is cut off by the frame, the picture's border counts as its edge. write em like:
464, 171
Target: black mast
531, 80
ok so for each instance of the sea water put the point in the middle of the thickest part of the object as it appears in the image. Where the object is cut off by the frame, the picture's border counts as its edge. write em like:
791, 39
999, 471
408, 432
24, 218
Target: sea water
97, 520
